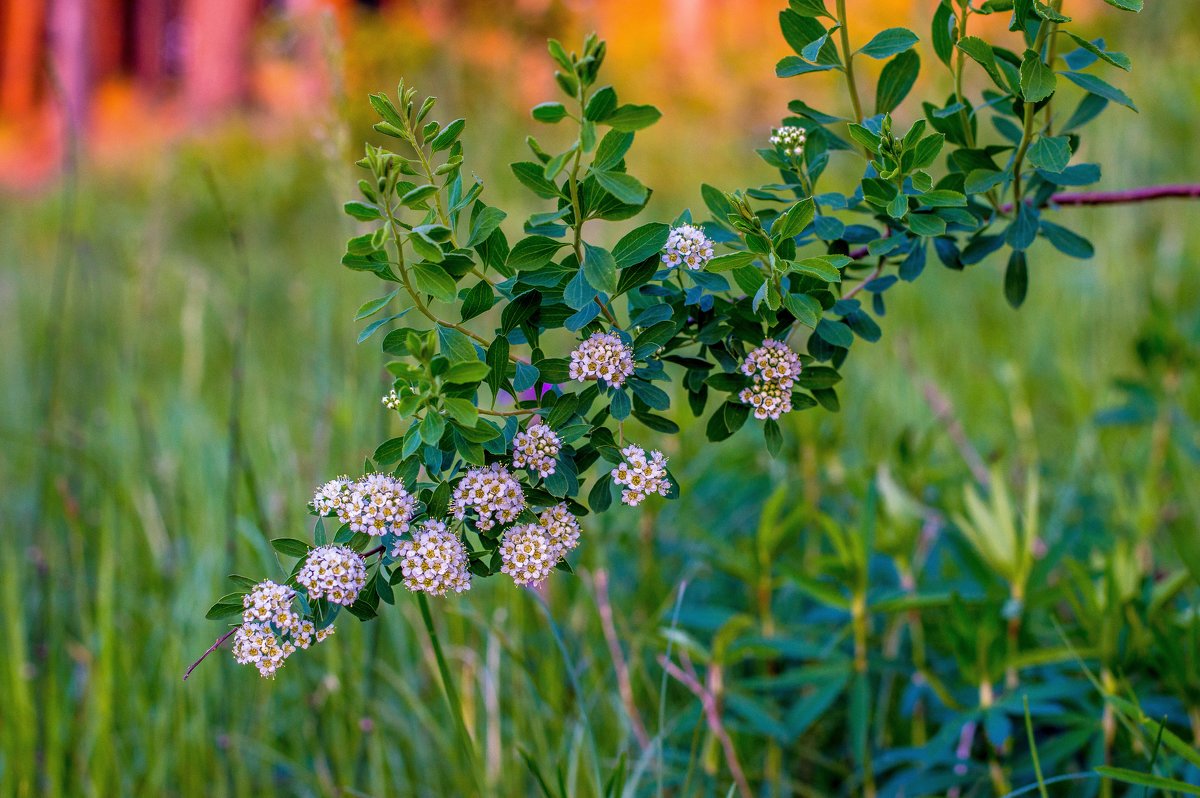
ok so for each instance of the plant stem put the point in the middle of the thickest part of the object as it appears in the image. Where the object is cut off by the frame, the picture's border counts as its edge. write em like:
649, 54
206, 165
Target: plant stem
577, 208
1027, 131
451, 693
210, 650
858, 614
848, 58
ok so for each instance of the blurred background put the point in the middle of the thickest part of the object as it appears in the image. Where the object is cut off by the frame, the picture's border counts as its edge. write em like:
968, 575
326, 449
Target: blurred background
168, 405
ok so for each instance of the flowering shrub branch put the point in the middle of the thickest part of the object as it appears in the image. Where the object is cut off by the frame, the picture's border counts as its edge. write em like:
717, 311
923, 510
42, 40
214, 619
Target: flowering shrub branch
517, 392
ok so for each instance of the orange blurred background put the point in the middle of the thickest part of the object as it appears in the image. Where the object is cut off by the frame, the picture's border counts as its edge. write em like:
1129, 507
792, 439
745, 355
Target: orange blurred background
126, 76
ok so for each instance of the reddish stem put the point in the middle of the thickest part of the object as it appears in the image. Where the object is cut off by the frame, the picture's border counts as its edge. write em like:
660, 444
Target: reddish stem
210, 650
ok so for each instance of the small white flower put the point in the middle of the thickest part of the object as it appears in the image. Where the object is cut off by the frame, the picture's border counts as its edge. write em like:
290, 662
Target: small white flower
390, 400
492, 492
790, 140
269, 603
527, 555
329, 497
688, 246
336, 573
768, 399
641, 476
602, 356
536, 449
561, 529
255, 644
434, 561
773, 362
377, 504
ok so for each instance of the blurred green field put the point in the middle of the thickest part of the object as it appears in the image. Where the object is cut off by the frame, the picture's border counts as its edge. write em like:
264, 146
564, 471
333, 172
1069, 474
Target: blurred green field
120, 303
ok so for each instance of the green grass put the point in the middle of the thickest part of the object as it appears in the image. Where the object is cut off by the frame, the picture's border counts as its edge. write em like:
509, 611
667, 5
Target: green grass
120, 323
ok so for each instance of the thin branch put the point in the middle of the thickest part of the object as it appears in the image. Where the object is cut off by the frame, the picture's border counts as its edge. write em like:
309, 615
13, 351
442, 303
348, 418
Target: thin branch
866, 280
712, 713
624, 684
210, 650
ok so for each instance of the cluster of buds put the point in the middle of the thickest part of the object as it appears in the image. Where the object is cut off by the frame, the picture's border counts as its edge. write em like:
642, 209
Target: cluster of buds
391, 400
603, 356
561, 528
492, 492
527, 555
688, 246
376, 503
536, 448
774, 369
641, 476
790, 140
336, 573
271, 629
434, 561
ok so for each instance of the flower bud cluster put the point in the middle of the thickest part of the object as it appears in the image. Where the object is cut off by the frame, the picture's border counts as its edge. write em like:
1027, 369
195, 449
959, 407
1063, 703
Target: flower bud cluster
603, 356
640, 475
775, 369
790, 140
536, 449
336, 573
434, 561
688, 246
492, 493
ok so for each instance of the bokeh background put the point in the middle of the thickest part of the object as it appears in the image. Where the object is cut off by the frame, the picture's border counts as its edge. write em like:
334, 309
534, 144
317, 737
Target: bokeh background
167, 406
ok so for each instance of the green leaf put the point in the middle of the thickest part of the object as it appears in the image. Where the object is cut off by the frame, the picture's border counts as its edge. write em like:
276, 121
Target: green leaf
362, 211
369, 309
611, 150
896, 81
1119, 60
820, 267
628, 118
600, 268
889, 42
625, 188
927, 150
533, 176
864, 137
432, 428
809, 8
942, 32
806, 309
226, 607
640, 243
792, 65
794, 220
1016, 279
601, 105
942, 198
1126, 5
926, 224
1051, 153
549, 112
434, 281
730, 261
533, 252
1095, 85
455, 345
478, 300
835, 333
466, 372
484, 222
1037, 79
448, 136
290, 547
425, 247
981, 52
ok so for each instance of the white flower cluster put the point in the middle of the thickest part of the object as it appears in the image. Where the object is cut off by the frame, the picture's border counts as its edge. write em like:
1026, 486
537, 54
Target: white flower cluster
391, 400
536, 449
336, 573
603, 356
561, 528
492, 493
789, 139
640, 476
434, 561
774, 368
329, 497
689, 246
527, 555
376, 504
271, 630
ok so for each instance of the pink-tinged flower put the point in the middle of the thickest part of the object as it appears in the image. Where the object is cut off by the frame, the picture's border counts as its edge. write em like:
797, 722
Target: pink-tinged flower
603, 356
434, 561
687, 246
536, 449
527, 555
641, 476
492, 492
